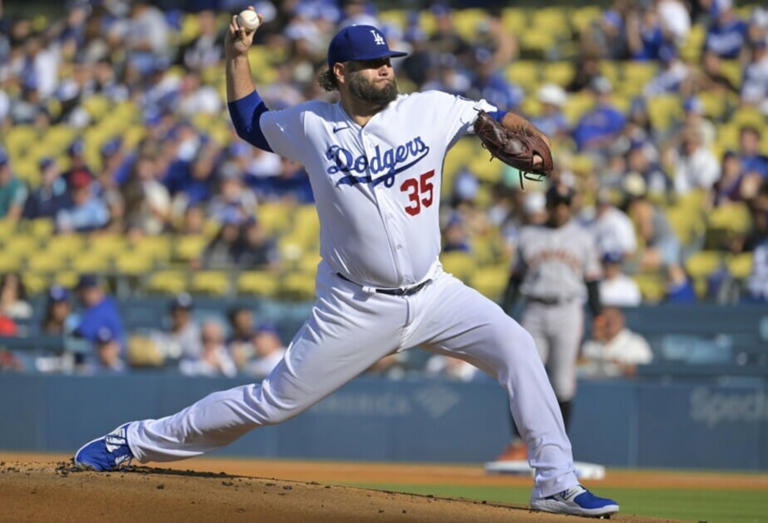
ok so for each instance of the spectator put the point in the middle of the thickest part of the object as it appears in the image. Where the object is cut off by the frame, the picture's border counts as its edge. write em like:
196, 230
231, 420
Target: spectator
13, 297
196, 98
695, 167
753, 162
222, 251
83, 211
13, 192
757, 284
57, 318
451, 368
710, 77
675, 20
214, 359
193, 221
727, 33
106, 358
207, 48
182, 339
598, 128
729, 187
616, 288
99, 310
489, 84
49, 198
675, 76
240, 342
694, 119
256, 249
661, 246
679, 286
613, 230
614, 350
147, 202
643, 159
269, 350
233, 196
455, 236
587, 70
644, 35
551, 121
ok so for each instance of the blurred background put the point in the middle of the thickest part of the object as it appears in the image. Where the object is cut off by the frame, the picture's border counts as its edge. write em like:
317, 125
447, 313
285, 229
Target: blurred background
139, 235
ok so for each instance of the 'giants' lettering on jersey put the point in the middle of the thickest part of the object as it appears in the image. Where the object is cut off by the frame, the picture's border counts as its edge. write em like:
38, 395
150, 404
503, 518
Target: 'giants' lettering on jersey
560, 255
391, 162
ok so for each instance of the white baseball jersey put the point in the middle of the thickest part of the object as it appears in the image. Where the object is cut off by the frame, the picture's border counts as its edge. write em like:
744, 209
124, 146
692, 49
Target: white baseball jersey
377, 187
556, 261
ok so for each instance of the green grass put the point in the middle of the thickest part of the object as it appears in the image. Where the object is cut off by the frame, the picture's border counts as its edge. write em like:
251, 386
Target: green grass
713, 506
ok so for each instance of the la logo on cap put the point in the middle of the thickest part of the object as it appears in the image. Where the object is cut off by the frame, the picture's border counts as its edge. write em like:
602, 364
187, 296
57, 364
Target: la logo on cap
377, 38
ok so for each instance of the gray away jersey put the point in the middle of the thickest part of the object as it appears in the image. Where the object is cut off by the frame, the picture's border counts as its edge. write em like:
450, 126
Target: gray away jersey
555, 262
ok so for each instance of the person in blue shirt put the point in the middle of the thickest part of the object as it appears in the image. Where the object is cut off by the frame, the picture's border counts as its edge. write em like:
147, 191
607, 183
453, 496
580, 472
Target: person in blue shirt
488, 82
727, 33
99, 311
752, 161
83, 210
602, 124
551, 121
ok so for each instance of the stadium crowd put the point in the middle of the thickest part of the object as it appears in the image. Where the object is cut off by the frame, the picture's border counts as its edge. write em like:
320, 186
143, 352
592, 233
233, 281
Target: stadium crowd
114, 123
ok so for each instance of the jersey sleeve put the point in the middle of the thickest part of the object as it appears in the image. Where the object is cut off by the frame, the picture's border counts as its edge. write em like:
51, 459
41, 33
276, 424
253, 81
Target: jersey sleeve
285, 132
459, 113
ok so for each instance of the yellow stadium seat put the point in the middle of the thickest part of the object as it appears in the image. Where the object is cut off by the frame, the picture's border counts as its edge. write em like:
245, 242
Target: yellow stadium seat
10, 263
66, 279
732, 70
87, 262
34, 283
21, 245
210, 282
728, 136
261, 283
524, 73
291, 248
576, 105
748, 116
273, 217
484, 167
740, 265
18, 138
190, 28
190, 247
638, 73
309, 261
583, 16
539, 41
306, 225
66, 245
297, 286
96, 106
703, 263
134, 265
396, 17
45, 262
610, 69
458, 263
466, 21
167, 282
7, 228
651, 286
491, 281
41, 228
663, 109
155, 247
559, 73
732, 217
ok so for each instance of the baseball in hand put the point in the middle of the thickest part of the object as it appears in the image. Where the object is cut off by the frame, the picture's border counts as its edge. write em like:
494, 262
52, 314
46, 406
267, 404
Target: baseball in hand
248, 19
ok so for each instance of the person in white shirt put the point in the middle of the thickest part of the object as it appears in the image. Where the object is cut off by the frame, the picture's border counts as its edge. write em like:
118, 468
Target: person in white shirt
268, 351
614, 350
214, 359
616, 288
613, 230
696, 167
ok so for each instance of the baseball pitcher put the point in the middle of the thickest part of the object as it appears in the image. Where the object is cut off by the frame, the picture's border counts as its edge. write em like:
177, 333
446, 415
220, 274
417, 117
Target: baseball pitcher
374, 161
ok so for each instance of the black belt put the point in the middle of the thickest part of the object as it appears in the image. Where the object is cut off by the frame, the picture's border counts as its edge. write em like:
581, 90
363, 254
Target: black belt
548, 301
403, 291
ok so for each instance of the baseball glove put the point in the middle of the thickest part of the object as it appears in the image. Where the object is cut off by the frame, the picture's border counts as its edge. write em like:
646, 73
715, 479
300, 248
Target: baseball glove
514, 147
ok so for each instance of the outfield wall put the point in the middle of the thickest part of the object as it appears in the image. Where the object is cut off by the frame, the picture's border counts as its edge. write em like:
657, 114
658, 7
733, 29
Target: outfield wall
641, 423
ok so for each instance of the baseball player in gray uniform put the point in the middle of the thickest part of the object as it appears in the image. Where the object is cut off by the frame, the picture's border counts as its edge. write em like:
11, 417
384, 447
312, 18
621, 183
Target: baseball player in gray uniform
556, 269
374, 161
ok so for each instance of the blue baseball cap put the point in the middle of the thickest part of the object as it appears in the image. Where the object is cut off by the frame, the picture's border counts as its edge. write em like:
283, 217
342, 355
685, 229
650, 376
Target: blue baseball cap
58, 293
359, 42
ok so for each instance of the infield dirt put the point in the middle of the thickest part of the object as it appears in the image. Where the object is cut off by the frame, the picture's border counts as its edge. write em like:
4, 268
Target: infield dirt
38, 488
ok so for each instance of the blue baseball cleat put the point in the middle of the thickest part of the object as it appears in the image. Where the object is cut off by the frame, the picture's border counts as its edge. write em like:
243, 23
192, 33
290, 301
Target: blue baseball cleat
577, 501
106, 453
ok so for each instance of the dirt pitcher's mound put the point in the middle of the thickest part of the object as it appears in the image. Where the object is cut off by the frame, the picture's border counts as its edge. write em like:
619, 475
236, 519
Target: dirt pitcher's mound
56, 492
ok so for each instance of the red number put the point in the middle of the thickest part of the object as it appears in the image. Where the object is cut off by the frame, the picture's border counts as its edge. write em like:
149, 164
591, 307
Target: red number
426, 186
413, 196
414, 190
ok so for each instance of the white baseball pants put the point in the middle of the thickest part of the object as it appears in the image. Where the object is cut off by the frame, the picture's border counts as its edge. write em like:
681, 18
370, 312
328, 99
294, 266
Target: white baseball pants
347, 332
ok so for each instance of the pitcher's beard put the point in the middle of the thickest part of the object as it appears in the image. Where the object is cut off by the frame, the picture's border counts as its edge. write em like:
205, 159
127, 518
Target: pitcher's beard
369, 93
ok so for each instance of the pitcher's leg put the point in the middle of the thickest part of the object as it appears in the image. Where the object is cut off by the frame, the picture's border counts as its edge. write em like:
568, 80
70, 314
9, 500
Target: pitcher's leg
467, 325
336, 344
